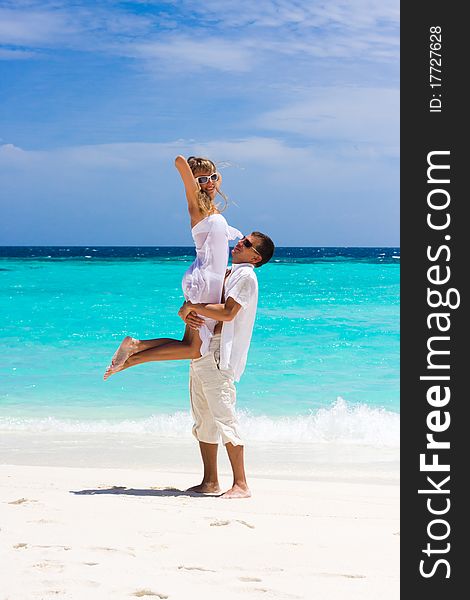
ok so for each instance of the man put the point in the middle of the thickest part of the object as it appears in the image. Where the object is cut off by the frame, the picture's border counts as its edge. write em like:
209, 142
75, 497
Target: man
212, 376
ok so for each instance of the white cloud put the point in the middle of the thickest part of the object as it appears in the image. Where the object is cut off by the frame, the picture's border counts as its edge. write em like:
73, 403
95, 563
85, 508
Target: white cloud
302, 13
33, 28
269, 153
7, 54
356, 115
188, 53
222, 35
11, 155
131, 193
58, 24
145, 155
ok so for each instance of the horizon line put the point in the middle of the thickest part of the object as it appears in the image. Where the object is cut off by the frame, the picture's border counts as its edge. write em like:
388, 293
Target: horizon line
157, 246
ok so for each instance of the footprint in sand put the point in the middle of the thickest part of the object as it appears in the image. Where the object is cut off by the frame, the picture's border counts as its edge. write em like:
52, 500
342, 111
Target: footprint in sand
246, 524
273, 570
220, 523
143, 593
42, 521
347, 575
49, 565
54, 546
196, 569
282, 595
290, 544
106, 549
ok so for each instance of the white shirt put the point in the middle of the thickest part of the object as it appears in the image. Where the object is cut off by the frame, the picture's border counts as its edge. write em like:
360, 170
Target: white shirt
242, 286
204, 280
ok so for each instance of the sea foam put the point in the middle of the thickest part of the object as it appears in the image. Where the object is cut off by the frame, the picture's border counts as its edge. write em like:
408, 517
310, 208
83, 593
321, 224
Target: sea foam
341, 423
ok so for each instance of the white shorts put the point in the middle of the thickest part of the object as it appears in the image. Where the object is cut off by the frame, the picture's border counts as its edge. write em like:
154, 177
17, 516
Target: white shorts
213, 396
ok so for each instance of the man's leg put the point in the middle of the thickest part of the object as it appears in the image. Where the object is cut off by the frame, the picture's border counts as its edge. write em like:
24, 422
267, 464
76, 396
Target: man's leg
204, 427
239, 488
221, 394
210, 480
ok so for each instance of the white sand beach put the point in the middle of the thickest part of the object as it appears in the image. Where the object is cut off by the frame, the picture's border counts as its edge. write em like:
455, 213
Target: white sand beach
322, 522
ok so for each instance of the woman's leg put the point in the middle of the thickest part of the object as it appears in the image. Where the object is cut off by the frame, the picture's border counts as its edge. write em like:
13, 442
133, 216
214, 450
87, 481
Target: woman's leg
129, 346
142, 345
134, 352
187, 348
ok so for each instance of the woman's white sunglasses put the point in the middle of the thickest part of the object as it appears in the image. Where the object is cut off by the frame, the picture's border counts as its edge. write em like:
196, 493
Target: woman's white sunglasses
202, 179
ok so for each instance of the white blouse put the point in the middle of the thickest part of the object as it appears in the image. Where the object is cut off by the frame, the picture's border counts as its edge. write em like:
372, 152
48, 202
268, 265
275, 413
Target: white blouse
204, 280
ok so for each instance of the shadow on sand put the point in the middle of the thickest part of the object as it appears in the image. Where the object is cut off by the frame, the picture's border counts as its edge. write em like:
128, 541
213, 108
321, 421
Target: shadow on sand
121, 490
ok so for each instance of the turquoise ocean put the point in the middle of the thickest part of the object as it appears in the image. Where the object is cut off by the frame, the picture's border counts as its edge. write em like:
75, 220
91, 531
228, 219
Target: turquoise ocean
323, 363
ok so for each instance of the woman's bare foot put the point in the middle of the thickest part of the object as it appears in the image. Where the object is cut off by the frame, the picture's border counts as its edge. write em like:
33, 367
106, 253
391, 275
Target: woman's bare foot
205, 488
237, 491
127, 347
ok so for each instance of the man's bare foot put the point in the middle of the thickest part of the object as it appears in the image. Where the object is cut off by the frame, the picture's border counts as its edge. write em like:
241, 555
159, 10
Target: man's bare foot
127, 347
205, 488
237, 491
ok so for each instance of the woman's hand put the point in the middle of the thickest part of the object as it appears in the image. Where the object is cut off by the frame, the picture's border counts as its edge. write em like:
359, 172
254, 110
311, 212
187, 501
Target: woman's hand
184, 311
194, 321
191, 318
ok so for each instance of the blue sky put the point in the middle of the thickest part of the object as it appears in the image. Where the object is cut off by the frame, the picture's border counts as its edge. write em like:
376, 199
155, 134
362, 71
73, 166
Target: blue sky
297, 101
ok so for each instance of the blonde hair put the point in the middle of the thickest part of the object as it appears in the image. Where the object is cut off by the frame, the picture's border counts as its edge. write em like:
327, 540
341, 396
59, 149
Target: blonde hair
206, 204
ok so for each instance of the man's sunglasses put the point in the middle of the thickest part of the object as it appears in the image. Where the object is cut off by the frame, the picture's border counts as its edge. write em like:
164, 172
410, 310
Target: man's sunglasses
246, 242
202, 179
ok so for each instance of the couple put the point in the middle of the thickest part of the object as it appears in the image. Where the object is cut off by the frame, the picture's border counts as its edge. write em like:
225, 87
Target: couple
219, 312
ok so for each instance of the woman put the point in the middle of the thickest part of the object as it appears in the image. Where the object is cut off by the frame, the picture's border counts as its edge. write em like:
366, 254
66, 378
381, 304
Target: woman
203, 281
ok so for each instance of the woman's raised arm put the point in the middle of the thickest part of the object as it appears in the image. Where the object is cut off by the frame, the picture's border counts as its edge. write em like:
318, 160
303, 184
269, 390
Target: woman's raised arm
190, 186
